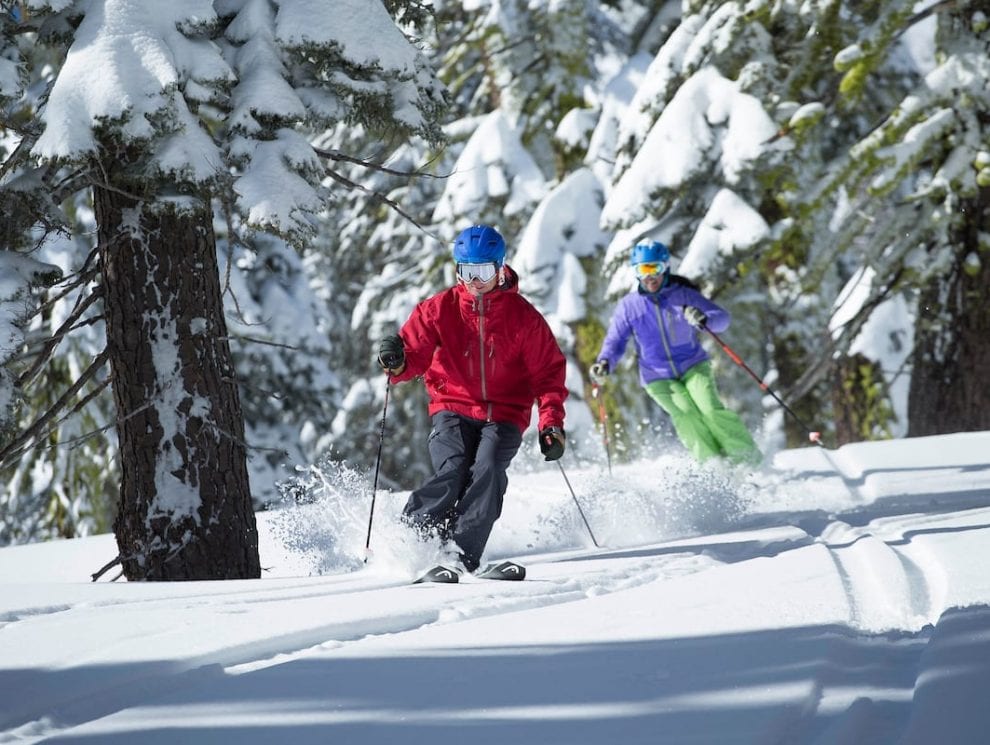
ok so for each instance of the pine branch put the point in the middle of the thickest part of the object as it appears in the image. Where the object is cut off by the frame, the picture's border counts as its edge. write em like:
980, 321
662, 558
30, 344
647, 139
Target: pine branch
338, 156
16, 446
257, 340
70, 185
106, 185
282, 452
233, 239
944, 6
82, 304
343, 180
83, 276
264, 392
78, 407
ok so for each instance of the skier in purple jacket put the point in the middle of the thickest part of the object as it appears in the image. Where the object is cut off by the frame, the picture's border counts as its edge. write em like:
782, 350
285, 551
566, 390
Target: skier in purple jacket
663, 316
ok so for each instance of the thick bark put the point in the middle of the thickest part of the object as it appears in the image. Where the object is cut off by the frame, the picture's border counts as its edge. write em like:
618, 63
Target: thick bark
952, 349
185, 507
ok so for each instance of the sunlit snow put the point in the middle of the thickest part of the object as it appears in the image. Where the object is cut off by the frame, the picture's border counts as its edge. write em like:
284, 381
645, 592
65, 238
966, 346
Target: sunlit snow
833, 597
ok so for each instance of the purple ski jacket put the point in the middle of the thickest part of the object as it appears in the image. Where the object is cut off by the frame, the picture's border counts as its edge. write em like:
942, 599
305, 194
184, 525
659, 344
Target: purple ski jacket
667, 345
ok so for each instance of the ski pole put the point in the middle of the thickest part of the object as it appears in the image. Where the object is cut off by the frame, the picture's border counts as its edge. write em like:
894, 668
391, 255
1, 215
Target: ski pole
813, 436
378, 463
603, 418
574, 497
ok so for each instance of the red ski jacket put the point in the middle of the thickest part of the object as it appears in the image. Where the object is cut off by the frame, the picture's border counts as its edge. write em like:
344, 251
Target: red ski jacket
487, 357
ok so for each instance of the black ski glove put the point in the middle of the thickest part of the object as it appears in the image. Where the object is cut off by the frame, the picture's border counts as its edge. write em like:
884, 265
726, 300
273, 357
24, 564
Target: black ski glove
552, 442
599, 371
695, 316
391, 354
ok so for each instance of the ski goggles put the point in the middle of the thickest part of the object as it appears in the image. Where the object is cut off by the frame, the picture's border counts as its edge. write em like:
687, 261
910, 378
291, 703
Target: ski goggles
485, 272
651, 270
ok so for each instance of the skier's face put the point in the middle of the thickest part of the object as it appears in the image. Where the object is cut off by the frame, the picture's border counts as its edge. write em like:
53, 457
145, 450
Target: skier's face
652, 283
477, 287
479, 278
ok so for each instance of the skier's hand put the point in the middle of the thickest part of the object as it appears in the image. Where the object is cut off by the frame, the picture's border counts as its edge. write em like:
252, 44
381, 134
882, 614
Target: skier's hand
599, 371
552, 442
695, 316
392, 355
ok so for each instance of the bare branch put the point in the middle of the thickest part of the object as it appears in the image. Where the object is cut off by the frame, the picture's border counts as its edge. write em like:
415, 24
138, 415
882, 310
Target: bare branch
82, 304
943, 6
256, 340
15, 447
233, 239
72, 281
233, 438
382, 198
336, 155
106, 567
105, 184
270, 394
70, 185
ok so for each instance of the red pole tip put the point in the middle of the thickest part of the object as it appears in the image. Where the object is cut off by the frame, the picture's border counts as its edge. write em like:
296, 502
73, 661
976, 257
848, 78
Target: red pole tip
815, 436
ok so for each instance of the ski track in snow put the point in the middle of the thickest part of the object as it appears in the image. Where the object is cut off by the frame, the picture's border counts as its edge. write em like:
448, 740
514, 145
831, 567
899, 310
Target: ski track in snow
891, 580
550, 581
440, 604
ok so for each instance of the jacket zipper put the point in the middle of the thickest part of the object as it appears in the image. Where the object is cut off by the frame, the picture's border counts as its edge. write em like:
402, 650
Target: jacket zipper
481, 350
666, 343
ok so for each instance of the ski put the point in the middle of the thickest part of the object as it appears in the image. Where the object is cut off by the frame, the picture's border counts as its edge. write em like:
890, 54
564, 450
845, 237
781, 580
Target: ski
439, 573
505, 570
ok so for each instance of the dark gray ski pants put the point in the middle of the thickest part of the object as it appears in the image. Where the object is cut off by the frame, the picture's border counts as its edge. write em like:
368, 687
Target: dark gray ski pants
463, 498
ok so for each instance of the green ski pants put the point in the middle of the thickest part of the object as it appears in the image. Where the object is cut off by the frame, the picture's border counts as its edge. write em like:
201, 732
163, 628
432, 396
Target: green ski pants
702, 423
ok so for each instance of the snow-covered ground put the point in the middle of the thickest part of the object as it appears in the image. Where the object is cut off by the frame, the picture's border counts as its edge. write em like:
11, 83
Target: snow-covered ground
834, 597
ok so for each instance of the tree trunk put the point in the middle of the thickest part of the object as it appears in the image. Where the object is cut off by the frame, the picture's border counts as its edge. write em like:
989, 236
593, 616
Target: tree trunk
860, 400
952, 350
185, 507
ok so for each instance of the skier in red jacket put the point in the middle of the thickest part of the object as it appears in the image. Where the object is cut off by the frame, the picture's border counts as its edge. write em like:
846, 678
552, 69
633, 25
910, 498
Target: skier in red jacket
486, 355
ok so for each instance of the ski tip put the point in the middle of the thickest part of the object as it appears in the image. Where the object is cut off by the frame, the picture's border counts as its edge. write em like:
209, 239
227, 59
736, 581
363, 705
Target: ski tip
506, 570
441, 574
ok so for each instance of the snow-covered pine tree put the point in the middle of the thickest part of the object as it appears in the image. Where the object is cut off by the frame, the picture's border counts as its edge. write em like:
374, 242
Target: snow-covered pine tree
522, 167
916, 203
688, 150
806, 262
381, 265
623, 41
20, 278
484, 175
58, 472
161, 109
286, 361
720, 146
59, 478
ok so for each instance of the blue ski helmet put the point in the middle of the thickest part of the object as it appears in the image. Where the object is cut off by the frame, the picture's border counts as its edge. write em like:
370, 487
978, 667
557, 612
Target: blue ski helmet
649, 252
479, 244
